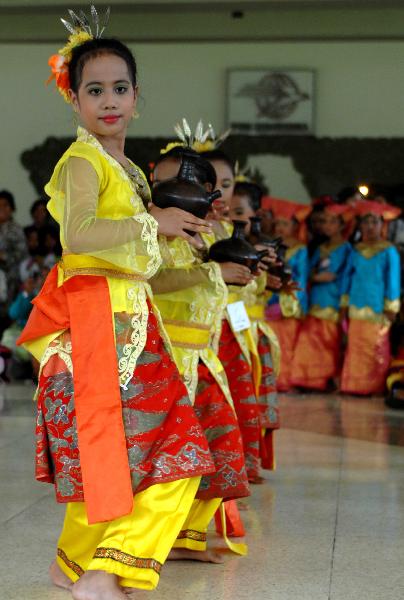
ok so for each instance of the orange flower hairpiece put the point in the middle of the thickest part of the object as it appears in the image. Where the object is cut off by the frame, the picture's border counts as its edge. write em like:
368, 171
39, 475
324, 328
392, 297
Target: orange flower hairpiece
80, 31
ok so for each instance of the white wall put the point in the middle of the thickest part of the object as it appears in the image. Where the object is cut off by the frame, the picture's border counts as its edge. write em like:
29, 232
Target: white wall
360, 92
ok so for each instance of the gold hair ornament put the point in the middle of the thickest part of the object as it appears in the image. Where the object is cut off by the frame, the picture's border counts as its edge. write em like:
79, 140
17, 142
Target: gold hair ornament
81, 30
200, 140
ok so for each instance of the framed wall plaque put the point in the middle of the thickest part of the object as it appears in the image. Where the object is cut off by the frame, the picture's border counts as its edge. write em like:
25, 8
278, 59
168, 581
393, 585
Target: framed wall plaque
270, 101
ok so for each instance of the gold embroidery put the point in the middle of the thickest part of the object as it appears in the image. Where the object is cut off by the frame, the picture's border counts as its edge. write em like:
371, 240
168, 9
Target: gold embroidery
326, 249
368, 314
128, 559
192, 534
327, 314
69, 563
64, 351
370, 250
392, 305
132, 350
103, 272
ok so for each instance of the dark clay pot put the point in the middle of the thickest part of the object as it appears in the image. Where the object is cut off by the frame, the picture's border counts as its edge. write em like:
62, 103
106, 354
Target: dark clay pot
185, 191
236, 249
281, 270
256, 236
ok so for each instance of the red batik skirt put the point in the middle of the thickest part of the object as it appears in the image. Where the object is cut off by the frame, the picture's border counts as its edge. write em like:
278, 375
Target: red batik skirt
241, 386
164, 439
222, 431
268, 403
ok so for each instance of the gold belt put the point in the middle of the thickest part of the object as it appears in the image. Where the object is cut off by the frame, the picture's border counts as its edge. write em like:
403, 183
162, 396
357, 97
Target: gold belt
184, 334
78, 264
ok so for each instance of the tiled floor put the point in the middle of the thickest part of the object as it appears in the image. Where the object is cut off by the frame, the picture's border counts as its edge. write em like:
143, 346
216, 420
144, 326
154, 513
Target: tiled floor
327, 525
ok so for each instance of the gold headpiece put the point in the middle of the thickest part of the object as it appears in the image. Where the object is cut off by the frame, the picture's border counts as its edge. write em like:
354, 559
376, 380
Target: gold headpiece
200, 141
81, 30
245, 176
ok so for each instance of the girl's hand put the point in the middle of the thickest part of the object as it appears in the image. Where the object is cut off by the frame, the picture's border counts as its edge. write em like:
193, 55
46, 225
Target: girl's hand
172, 222
235, 273
273, 282
271, 257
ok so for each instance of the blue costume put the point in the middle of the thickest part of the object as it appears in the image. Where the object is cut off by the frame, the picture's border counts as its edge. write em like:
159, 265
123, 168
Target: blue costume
371, 289
316, 360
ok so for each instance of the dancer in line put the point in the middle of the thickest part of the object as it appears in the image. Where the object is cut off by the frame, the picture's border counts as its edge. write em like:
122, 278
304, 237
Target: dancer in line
245, 205
317, 357
191, 296
116, 431
285, 312
371, 295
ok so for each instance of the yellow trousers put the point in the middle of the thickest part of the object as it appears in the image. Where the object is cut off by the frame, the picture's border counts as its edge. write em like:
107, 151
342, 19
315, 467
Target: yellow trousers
194, 531
133, 547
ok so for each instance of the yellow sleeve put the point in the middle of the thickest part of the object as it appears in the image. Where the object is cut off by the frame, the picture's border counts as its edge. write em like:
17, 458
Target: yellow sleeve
129, 243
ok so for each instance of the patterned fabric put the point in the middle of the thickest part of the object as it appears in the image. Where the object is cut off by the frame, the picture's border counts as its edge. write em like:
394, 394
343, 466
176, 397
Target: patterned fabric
164, 439
267, 395
222, 431
241, 386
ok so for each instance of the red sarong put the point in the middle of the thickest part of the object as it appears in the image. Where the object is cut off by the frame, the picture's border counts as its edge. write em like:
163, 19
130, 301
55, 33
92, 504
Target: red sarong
126, 440
242, 389
219, 423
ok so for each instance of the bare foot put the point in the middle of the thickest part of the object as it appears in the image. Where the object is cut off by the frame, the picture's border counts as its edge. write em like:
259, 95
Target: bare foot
97, 585
204, 556
58, 578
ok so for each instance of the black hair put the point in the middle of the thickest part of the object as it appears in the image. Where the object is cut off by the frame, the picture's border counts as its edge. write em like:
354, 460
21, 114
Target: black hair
253, 191
36, 204
219, 155
8, 196
97, 47
346, 193
204, 170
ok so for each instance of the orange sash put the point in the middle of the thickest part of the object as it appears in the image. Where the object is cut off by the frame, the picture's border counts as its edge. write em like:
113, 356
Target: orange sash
82, 304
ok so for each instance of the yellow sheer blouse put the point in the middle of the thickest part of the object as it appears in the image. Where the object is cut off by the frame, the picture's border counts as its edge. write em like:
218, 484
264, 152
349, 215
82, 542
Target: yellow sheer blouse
105, 228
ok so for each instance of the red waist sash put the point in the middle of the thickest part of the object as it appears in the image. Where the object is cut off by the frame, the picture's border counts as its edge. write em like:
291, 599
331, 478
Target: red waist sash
82, 304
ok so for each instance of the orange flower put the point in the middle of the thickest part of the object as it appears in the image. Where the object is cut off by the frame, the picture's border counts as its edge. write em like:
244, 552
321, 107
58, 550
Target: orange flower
60, 72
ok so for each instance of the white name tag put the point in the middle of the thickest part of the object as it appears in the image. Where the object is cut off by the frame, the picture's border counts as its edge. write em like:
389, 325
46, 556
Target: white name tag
238, 316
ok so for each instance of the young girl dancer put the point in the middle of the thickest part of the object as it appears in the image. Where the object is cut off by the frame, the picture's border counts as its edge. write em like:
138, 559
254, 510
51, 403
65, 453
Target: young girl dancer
372, 294
245, 204
192, 296
285, 312
238, 350
116, 432
317, 357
